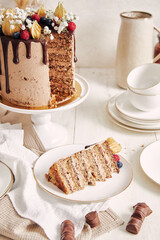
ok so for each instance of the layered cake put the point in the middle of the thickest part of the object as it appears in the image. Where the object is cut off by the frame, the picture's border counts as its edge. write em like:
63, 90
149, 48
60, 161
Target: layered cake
96, 163
37, 56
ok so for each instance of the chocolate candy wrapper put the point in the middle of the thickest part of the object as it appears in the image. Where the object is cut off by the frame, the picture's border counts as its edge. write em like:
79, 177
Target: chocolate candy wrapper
92, 219
67, 230
141, 210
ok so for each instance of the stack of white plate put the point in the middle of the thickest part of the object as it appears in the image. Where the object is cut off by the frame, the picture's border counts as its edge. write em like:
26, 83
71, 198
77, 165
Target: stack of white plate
125, 115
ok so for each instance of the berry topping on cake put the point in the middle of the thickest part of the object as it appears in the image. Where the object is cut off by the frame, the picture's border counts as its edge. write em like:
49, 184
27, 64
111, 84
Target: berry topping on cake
35, 30
116, 157
41, 11
60, 11
36, 17
71, 26
25, 35
48, 22
43, 19
18, 19
16, 35
119, 164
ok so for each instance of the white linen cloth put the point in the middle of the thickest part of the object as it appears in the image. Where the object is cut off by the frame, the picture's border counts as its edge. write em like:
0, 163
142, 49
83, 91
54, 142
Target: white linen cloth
27, 198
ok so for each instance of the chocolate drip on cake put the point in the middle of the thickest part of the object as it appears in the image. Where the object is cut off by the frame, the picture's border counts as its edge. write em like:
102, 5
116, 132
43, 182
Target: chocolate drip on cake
28, 49
44, 47
5, 43
15, 46
0, 72
75, 58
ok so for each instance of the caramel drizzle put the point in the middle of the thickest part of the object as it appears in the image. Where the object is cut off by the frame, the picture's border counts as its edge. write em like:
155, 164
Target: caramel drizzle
15, 45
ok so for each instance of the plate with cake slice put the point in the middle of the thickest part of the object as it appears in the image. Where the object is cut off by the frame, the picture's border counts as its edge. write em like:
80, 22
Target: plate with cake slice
84, 175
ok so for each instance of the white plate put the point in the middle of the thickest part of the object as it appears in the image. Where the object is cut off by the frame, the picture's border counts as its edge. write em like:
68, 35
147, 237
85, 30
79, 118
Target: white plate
140, 122
126, 108
130, 128
115, 115
101, 192
6, 179
150, 161
84, 93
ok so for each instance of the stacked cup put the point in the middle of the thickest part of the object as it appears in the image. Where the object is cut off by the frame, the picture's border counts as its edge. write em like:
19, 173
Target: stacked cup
144, 87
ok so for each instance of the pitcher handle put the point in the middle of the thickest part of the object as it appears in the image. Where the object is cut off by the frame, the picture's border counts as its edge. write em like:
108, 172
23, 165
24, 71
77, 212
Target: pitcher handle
155, 28
156, 58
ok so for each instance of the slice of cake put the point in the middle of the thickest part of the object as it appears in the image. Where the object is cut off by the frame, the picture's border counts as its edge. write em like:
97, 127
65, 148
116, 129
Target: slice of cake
85, 167
37, 56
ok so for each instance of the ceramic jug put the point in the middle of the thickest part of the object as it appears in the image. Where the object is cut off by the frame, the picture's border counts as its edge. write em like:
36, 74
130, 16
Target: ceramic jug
135, 44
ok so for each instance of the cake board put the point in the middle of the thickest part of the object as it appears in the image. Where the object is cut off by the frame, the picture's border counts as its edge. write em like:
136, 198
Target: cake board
50, 133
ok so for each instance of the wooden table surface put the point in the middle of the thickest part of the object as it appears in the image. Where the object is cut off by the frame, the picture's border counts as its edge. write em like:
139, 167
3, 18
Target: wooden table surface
90, 123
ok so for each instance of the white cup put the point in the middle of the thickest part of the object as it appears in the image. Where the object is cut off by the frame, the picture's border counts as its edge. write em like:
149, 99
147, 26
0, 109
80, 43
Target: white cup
143, 102
145, 79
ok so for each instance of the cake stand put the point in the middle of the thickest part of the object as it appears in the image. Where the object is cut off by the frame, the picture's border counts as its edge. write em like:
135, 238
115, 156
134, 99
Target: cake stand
52, 134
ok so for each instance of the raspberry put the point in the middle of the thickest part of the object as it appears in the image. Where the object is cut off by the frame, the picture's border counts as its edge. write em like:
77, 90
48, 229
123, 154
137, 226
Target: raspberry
116, 157
36, 17
25, 35
71, 26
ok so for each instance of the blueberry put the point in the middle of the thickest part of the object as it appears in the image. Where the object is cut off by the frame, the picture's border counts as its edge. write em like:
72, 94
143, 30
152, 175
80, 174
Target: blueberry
119, 164
1, 33
43, 20
49, 22
16, 35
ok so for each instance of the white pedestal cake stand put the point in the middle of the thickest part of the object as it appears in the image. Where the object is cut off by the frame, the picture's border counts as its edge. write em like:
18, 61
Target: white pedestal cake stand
52, 134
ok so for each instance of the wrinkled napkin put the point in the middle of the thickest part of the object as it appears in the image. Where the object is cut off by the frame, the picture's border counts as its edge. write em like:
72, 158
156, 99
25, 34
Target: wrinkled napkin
28, 199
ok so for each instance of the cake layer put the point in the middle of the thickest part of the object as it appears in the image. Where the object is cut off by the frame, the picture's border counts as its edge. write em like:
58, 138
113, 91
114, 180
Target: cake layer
61, 65
83, 168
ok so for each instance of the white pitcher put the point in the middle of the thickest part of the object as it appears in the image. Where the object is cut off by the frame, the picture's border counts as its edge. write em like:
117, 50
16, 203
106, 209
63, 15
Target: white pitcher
135, 44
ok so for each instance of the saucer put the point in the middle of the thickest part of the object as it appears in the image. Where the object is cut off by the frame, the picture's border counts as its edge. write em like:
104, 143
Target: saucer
128, 124
131, 113
137, 121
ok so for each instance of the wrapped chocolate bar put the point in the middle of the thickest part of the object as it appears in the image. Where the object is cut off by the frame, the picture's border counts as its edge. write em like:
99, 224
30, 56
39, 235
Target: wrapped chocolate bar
92, 219
67, 230
141, 210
